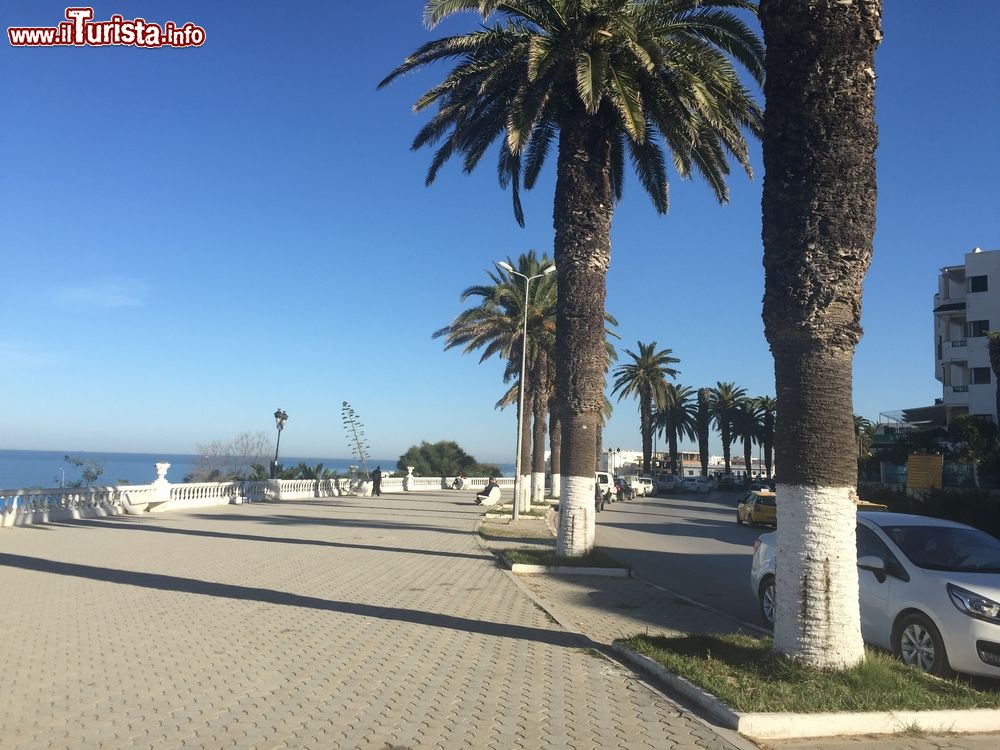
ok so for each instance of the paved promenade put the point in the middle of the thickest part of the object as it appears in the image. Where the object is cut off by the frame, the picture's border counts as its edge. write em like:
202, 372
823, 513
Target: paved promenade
340, 623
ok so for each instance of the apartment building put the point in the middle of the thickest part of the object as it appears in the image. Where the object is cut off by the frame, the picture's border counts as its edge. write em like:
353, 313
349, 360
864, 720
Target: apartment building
966, 306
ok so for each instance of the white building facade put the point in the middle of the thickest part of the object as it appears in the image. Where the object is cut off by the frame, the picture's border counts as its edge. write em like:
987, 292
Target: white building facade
966, 306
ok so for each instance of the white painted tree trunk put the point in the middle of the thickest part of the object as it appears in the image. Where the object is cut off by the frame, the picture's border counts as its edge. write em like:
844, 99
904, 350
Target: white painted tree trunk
817, 612
577, 521
555, 484
537, 487
525, 498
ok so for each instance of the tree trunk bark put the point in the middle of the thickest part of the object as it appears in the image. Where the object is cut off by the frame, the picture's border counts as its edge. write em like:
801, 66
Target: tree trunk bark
646, 428
994, 352
818, 221
727, 446
747, 455
672, 437
524, 470
555, 446
582, 221
540, 400
704, 396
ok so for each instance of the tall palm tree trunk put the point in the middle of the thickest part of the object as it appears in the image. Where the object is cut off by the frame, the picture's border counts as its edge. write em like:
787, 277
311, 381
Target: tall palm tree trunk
582, 214
540, 400
727, 445
704, 417
646, 428
747, 455
555, 447
524, 470
993, 342
768, 442
818, 222
672, 441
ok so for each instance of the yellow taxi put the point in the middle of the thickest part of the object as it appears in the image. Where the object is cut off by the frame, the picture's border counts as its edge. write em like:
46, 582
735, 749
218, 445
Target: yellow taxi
758, 508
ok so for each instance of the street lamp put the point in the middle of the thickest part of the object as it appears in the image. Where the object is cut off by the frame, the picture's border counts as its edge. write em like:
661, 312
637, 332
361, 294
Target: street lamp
518, 489
280, 417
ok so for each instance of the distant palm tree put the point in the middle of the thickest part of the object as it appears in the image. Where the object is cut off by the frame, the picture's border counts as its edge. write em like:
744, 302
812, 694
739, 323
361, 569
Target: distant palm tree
495, 325
768, 406
703, 420
747, 422
607, 81
818, 204
863, 432
645, 379
677, 417
724, 399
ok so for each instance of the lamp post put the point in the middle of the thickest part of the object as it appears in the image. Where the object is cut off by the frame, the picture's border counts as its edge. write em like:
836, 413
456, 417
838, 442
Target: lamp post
280, 417
518, 489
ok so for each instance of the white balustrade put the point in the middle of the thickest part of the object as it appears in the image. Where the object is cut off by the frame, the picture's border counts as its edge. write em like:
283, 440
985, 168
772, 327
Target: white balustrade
21, 507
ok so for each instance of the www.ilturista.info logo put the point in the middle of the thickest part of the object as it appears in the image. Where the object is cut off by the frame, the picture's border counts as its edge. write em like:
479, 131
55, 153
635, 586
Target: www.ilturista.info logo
80, 30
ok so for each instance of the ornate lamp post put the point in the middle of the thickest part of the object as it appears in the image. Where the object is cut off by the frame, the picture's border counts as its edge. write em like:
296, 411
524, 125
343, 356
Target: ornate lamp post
280, 417
518, 489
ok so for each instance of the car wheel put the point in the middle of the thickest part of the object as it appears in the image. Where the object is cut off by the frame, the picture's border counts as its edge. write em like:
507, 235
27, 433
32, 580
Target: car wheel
765, 597
918, 644
739, 521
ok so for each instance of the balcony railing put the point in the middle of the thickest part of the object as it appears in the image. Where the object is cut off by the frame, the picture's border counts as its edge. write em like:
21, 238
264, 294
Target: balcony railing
960, 389
957, 343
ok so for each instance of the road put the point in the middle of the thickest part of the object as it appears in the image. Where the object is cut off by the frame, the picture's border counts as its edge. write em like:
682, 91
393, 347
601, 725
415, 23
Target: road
688, 543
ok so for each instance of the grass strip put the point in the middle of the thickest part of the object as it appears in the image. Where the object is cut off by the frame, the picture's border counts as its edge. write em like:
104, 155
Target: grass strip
742, 671
595, 559
497, 531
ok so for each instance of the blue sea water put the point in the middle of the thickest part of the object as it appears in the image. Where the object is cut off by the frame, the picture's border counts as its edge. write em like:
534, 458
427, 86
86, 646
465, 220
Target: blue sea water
48, 469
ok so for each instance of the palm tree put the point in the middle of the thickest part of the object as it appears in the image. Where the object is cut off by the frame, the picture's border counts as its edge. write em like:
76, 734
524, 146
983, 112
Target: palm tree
606, 80
646, 379
768, 406
724, 399
703, 421
747, 422
818, 222
677, 418
863, 431
495, 325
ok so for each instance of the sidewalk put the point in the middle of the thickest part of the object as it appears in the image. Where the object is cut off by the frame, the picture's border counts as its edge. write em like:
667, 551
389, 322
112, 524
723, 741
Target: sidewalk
604, 609
338, 623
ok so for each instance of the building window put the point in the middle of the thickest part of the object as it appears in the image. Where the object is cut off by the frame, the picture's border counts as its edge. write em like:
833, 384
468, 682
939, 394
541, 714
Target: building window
988, 418
980, 375
978, 284
976, 328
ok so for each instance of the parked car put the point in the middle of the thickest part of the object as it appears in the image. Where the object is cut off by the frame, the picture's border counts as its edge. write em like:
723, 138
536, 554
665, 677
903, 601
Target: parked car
929, 591
624, 489
666, 482
696, 484
728, 482
758, 508
643, 486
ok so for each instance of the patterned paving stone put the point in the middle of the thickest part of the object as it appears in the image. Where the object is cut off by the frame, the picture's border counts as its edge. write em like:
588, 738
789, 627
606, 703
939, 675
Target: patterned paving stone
344, 622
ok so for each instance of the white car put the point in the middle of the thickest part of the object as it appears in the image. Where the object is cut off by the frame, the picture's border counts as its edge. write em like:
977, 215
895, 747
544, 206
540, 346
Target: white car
696, 484
929, 588
666, 482
643, 486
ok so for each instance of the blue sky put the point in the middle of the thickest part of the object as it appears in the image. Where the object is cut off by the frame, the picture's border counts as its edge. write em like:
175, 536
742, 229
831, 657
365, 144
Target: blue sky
192, 238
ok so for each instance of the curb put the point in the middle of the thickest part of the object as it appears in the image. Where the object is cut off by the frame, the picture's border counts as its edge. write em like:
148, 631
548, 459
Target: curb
783, 726
569, 570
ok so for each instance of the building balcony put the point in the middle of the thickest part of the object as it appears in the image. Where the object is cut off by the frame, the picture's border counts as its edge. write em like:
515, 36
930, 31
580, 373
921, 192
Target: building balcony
960, 389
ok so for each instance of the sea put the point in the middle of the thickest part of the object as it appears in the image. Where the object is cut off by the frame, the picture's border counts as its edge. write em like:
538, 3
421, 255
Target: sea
49, 469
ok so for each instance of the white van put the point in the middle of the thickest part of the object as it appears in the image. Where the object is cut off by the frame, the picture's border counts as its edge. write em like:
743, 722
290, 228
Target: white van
606, 485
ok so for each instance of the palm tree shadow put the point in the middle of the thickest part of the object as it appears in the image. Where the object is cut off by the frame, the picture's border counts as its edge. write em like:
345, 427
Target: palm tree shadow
290, 520
144, 525
161, 582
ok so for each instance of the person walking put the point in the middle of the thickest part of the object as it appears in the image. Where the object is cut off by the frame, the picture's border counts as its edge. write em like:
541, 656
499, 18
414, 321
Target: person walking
377, 482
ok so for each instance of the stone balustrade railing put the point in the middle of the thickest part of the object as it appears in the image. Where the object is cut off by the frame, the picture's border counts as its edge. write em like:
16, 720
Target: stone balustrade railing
22, 507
